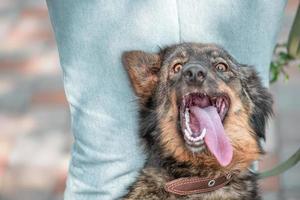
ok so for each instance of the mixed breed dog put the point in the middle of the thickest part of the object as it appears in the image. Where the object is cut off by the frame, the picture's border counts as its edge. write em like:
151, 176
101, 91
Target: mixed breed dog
201, 117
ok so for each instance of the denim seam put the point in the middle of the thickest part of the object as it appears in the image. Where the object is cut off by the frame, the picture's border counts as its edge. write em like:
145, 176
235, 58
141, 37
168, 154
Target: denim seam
178, 21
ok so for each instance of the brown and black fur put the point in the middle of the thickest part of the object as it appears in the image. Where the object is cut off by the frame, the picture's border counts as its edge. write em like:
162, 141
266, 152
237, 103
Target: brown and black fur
157, 89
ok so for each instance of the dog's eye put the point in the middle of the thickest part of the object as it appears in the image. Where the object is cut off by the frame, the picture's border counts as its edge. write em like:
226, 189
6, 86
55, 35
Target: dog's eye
221, 67
177, 67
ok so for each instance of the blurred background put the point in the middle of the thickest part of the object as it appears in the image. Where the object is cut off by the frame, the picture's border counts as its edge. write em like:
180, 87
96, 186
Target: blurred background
35, 138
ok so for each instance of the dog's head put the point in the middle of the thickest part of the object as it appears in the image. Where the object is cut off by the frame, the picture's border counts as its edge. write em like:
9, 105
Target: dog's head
199, 104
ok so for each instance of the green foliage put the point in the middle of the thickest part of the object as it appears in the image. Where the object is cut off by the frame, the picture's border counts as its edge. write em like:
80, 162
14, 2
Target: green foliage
285, 53
281, 60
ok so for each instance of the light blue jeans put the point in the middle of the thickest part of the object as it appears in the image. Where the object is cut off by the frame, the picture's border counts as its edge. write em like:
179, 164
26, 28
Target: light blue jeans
91, 36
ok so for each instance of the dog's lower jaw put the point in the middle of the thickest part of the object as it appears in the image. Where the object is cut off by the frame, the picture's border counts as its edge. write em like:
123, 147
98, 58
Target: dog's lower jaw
151, 182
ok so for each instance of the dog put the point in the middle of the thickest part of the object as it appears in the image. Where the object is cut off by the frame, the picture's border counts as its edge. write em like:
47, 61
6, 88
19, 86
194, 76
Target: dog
202, 116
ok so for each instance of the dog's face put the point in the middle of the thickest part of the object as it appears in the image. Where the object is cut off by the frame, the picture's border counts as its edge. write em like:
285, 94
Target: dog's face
201, 106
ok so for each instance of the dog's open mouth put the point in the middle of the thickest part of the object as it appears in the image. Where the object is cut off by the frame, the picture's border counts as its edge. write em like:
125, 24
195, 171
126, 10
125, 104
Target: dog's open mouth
201, 119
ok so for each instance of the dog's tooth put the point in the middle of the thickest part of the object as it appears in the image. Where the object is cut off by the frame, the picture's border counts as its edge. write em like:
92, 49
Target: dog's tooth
186, 132
190, 131
187, 120
187, 115
200, 137
197, 138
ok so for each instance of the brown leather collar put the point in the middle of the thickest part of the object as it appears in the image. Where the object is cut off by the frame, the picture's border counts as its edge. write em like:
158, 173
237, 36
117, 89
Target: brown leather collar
196, 185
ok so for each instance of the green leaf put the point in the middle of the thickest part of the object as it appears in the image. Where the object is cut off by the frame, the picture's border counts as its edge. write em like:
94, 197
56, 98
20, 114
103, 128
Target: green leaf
286, 52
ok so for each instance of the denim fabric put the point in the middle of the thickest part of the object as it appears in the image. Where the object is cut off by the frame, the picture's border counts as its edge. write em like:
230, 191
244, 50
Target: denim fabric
91, 35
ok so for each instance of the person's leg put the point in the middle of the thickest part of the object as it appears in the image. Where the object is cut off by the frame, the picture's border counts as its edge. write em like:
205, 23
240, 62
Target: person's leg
91, 36
245, 28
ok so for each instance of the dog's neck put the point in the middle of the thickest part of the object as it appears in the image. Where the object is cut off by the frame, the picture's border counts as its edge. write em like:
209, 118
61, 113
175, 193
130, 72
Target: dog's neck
177, 169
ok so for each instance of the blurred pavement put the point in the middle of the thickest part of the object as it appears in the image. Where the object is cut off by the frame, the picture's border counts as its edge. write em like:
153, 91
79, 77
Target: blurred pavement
35, 138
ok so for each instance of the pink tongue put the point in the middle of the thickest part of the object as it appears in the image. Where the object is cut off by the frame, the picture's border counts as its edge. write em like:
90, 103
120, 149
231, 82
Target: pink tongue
215, 138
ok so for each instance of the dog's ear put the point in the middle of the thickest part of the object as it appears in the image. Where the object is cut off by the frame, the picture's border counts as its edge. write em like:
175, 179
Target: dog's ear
260, 97
143, 71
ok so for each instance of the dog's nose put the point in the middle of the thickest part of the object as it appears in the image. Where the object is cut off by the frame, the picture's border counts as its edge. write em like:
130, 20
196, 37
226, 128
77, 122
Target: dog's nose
194, 74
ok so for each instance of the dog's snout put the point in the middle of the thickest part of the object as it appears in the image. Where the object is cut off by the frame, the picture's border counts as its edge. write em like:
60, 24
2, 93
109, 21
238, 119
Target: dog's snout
194, 74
